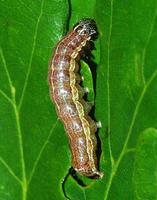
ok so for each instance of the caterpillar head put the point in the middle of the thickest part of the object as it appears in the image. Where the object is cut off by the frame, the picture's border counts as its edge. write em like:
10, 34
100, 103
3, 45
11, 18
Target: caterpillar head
87, 27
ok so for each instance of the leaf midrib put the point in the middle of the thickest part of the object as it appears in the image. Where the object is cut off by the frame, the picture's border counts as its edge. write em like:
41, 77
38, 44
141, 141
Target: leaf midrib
16, 109
23, 182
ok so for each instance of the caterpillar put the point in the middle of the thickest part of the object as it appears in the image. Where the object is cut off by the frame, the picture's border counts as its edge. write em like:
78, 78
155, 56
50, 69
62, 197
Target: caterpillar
67, 95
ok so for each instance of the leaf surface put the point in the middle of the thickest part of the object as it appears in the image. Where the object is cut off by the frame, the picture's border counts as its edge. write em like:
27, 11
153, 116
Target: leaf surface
145, 165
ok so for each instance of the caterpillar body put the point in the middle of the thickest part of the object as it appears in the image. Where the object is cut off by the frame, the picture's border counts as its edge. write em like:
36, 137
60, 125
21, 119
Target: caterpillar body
67, 95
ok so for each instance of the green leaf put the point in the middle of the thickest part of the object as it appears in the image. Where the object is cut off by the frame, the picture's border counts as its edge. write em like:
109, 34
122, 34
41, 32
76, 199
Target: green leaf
145, 169
31, 137
34, 153
87, 81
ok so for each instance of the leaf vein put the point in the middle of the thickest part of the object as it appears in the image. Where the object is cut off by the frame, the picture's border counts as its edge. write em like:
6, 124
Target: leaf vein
32, 54
6, 97
6, 70
147, 43
10, 170
116, 165
24, 178
41, 151
108, 85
